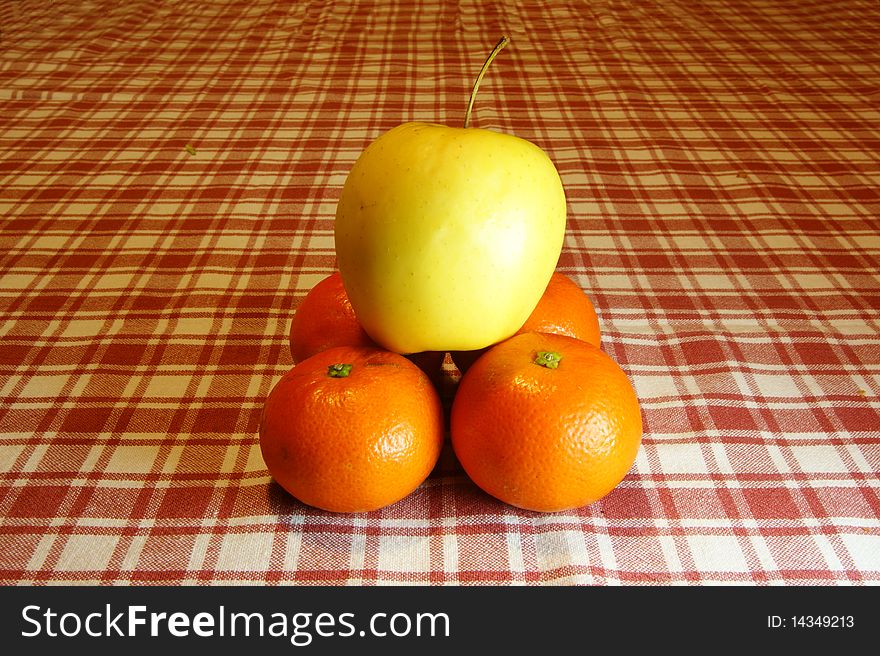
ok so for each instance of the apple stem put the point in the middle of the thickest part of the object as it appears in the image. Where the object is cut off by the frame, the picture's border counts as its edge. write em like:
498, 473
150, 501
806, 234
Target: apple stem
498, 48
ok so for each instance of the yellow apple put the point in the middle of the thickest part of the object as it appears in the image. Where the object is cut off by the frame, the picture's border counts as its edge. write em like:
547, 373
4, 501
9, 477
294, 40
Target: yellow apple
446, 237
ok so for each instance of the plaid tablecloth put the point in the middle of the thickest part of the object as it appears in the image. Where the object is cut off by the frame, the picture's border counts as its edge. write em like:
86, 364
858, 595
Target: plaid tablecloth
169, 172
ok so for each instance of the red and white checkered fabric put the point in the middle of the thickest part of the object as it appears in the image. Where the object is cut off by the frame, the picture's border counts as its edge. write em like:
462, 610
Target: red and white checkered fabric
169, 172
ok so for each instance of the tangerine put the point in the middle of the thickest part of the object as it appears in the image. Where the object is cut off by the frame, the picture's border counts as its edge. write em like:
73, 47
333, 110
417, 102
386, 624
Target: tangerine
324, 319
563, 309
352, 429
546, 422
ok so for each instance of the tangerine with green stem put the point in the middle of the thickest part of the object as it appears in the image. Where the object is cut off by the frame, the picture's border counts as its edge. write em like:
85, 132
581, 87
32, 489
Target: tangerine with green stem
352, 429
546, 422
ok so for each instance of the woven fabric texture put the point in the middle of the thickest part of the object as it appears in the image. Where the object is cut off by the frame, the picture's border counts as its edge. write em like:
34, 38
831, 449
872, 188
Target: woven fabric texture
169, 172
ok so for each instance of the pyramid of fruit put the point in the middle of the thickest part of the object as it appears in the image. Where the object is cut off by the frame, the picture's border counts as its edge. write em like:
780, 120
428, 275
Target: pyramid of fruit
447, 242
